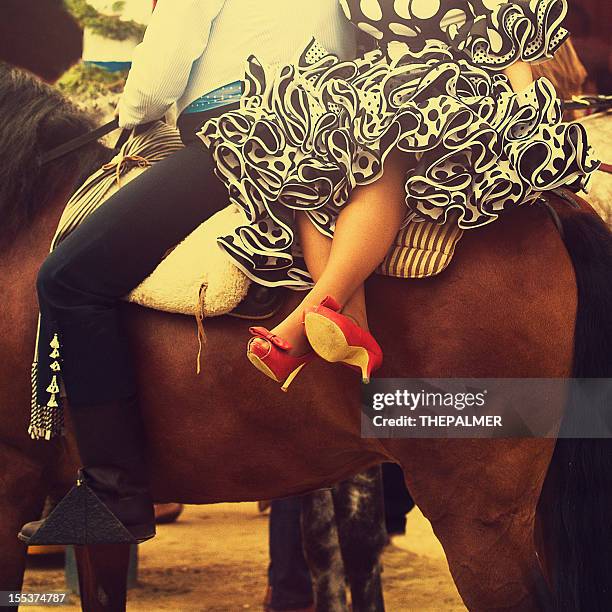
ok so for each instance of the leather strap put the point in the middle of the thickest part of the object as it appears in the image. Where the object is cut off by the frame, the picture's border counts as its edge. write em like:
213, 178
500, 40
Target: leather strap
607, 168
79, 141
596, 103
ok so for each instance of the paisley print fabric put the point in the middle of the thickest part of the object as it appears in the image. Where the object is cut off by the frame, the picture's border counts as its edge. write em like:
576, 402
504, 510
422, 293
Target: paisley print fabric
307, 134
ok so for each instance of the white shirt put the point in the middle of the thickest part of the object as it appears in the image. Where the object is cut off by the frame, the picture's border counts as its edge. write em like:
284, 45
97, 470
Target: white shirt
192, 47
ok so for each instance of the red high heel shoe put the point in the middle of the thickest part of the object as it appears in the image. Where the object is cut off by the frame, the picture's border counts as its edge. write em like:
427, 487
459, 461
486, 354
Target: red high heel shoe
274, 360
336, 337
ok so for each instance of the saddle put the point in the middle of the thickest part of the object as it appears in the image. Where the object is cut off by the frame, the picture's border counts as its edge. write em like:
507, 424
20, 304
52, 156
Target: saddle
185, 282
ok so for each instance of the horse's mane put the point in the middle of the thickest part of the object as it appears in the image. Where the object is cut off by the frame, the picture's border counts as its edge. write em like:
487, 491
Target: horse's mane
35, 118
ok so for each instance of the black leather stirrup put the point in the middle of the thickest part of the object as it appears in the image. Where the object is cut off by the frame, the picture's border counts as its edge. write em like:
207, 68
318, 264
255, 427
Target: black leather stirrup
82, 518
110, 502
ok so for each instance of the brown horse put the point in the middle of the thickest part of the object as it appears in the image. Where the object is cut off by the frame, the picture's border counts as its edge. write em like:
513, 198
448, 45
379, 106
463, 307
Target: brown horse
515, 302
40, 36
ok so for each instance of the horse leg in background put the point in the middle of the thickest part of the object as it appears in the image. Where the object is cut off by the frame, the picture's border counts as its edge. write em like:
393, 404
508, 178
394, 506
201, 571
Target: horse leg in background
344, 534
360, 520
23, 490
398, 501
103, 570
322, 551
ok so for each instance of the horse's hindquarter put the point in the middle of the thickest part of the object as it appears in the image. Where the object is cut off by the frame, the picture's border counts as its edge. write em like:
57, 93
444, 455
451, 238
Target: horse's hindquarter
504, 308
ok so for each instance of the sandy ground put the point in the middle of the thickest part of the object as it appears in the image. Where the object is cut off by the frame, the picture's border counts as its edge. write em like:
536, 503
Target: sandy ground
214, 559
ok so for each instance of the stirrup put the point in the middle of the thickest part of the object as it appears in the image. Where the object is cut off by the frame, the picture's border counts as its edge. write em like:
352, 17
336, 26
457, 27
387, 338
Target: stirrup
81, 518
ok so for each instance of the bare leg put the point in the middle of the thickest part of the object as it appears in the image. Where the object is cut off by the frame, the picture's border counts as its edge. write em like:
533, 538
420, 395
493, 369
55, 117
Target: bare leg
317, 249
364, 232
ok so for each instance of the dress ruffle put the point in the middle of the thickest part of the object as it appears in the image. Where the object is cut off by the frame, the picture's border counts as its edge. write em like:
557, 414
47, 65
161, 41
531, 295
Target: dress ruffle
306, 138
520, 30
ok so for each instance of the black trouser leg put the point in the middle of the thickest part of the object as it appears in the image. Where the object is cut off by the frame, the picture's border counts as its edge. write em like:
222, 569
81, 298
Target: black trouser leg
79, 287
82, 281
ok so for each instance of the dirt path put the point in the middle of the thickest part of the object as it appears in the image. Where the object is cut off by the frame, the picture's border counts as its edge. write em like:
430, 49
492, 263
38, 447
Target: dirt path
214, 560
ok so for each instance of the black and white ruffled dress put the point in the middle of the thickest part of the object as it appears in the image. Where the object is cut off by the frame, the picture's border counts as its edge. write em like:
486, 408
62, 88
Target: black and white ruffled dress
307, 134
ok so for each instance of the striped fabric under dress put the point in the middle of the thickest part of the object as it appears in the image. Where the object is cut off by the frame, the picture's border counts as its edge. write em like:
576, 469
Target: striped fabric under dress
421, 249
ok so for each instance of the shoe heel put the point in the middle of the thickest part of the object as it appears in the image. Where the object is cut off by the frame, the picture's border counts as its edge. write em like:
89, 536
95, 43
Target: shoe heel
329, 342
360, 358
291, 377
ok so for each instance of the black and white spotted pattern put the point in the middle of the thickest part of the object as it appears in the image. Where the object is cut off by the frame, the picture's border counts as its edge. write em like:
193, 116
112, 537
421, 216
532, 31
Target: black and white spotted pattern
492, 33
308, 134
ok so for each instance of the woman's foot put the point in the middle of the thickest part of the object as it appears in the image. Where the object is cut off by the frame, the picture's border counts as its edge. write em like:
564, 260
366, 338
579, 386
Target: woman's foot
291, 329
338, 338
273, 356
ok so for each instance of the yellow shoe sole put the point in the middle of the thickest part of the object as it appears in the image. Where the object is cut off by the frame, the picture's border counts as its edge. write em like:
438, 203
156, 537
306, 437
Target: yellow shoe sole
329, 342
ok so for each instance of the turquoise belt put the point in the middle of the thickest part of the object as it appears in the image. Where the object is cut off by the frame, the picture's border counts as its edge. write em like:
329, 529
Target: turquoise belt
227, 94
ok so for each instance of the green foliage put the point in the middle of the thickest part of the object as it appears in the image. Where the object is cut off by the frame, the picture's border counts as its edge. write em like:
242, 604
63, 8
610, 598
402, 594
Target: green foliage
88, 82
105, 25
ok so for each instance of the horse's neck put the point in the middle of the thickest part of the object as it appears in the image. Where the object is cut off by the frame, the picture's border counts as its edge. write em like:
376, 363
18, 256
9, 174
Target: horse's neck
20, 261
19, 265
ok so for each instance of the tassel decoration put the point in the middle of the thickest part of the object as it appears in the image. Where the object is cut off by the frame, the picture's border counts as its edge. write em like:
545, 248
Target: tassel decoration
47, 421
53, 388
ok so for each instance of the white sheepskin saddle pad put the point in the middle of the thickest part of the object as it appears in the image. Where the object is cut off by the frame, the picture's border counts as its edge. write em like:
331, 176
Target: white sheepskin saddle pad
196, 277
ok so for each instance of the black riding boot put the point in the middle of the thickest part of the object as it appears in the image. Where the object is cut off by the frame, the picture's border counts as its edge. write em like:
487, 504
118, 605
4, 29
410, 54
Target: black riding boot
111, 442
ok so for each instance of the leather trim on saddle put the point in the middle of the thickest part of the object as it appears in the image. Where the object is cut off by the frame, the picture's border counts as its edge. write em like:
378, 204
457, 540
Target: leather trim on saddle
260, 303
569, 198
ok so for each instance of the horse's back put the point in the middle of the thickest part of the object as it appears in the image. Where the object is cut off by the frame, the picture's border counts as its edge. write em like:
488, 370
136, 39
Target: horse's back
504, 307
